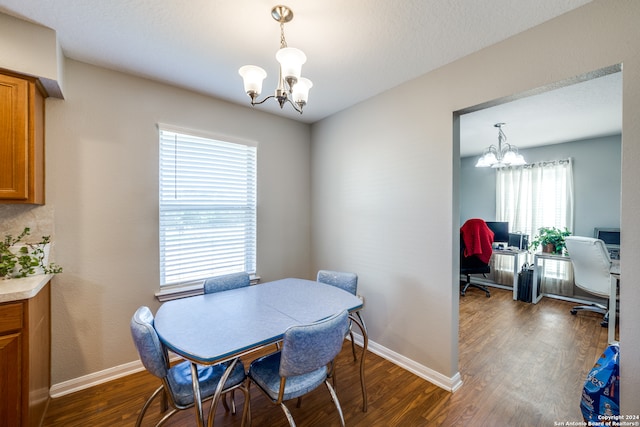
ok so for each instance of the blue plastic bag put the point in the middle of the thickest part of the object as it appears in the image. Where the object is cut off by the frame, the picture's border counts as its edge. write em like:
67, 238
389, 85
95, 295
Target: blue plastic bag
601, 392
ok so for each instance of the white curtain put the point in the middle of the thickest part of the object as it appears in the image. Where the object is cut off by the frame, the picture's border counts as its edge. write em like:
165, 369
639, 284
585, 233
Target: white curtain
533, 196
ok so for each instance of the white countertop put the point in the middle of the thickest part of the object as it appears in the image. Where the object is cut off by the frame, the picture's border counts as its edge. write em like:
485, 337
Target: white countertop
24, 288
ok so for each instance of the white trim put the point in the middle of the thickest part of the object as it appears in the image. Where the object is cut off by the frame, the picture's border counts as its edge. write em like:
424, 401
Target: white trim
86, 381
206, 134
171, 292
100, 377
449, 384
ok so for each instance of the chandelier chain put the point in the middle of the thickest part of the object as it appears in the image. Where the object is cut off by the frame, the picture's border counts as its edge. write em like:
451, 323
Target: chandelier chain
283, 41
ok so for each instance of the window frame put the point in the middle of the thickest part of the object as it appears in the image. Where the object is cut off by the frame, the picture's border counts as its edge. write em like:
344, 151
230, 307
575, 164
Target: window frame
209, 202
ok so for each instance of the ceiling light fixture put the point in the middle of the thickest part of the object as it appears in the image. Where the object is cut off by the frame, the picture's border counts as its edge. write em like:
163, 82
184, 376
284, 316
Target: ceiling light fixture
291, 87
503, 155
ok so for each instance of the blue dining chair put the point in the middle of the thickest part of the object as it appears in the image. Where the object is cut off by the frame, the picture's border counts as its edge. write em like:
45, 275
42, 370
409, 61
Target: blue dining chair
348, 282
177, 386
226, 282
223, 283
304, 362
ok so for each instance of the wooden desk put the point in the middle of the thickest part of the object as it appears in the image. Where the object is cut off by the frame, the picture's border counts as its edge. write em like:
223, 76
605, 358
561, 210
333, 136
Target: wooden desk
212, 328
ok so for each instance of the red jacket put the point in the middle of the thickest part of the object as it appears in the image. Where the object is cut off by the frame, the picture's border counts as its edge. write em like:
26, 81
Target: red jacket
477, 238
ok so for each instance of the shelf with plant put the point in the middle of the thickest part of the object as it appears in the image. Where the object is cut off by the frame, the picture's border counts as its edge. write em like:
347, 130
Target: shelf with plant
22, 259
551, 239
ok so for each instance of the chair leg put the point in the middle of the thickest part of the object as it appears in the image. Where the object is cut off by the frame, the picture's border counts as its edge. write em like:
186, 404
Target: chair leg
223, 397
166, 417
596, 308
233, 402
164, 401
334, 396
246, 411
288, 415
481, 287
148, 403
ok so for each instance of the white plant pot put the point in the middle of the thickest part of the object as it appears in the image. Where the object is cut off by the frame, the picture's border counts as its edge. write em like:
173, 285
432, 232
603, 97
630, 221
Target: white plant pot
17, 249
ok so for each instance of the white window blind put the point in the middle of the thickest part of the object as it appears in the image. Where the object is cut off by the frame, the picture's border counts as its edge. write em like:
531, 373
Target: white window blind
535, 195
207, 207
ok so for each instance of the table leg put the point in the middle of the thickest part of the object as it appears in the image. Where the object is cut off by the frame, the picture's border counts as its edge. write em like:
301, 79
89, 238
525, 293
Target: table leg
516, 263
216, 396
196, 395
357, 319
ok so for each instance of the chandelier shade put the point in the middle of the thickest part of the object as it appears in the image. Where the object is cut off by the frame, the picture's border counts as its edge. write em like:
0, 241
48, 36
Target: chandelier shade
292, 88
253, 76
301, 91
504, 154
291, 60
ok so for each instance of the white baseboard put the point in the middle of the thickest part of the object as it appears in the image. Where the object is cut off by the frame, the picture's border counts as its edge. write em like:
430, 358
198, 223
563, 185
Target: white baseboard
86, 381
450, 384
81, 383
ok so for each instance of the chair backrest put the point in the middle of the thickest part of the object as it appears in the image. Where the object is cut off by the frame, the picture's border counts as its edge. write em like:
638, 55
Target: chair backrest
306, 348
226, 282
346, 281
146, 340
591, 264
476, 239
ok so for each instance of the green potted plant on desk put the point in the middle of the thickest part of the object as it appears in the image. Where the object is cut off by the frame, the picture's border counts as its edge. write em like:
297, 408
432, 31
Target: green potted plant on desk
551, 239
21, 259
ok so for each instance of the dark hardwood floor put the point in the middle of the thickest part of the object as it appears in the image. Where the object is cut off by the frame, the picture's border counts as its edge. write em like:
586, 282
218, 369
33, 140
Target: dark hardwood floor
521, 365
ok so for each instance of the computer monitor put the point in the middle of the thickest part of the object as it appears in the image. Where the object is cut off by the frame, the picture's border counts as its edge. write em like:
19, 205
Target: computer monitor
500, 231
519, 240
611, 238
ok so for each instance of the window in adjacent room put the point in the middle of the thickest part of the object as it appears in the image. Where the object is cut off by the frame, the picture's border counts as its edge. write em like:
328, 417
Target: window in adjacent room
207, 207
534, 196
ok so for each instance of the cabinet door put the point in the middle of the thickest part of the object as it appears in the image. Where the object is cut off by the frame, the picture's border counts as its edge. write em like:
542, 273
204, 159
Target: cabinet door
14, 143
11, 380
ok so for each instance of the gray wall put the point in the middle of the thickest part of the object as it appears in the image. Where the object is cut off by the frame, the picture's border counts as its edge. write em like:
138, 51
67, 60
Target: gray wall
596, 180
383, 188
102, 204
386, 193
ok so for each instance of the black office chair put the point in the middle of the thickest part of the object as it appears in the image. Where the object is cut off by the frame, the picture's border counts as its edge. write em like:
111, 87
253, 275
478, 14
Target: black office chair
473, 264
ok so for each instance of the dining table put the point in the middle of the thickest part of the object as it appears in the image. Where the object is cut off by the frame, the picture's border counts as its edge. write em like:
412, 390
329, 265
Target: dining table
218, 327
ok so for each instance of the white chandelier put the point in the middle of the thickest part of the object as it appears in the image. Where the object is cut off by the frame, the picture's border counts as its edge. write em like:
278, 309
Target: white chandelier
291, 87
503, 155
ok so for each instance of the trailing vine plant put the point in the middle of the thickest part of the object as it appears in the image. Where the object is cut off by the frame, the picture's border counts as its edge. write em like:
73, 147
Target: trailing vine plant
26, 259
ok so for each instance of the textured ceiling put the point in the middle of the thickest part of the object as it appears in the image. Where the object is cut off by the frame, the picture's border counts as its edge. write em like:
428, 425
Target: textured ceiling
355, 48
586, 109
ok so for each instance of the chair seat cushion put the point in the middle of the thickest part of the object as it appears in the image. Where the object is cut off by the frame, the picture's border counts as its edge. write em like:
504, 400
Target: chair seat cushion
179, 378
265, 373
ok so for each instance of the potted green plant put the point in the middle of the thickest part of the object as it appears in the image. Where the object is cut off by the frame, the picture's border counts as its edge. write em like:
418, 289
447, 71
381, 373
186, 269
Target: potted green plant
551, 239
22, 259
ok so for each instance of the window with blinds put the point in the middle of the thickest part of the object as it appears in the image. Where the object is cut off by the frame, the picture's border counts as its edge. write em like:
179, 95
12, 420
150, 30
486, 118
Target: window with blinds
207, 207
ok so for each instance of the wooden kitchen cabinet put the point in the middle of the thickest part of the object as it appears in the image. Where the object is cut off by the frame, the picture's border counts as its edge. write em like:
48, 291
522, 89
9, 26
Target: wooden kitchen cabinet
21, 140
25, 361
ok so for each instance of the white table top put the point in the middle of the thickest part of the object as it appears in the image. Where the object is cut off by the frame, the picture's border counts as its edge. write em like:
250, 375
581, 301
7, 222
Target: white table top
213, 327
